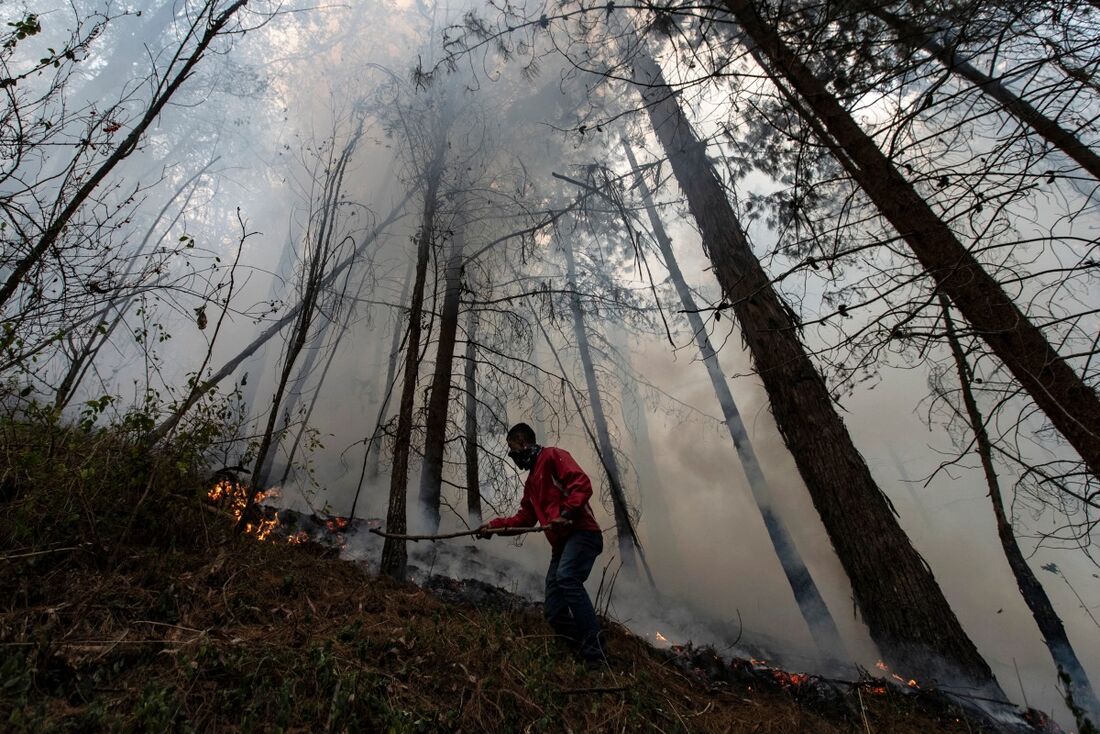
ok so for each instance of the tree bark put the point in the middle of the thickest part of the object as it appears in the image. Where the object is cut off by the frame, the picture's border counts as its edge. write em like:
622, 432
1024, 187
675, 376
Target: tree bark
473, 477
1072, 406
903, 606
1048, 621
374, 453
806, 594
439, 400
394, 553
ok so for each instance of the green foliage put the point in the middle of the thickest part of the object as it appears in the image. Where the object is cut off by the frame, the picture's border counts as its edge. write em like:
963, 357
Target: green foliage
21, 29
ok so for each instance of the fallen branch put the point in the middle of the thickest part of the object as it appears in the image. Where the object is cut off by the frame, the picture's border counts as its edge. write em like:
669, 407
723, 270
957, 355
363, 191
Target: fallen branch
463, 534
43, 552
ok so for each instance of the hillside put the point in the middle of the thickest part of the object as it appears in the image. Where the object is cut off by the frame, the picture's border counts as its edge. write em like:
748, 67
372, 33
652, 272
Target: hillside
133, 606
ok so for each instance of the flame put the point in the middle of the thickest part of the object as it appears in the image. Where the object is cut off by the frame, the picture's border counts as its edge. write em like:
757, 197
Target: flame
661, 639
793, 680
337, 524
886, 669
236, 495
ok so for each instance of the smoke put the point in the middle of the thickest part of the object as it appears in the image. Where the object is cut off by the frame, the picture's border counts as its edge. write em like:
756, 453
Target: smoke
268, 109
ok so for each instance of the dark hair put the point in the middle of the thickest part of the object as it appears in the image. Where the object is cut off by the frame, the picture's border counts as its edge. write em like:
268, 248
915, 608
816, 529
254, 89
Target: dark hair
524, 431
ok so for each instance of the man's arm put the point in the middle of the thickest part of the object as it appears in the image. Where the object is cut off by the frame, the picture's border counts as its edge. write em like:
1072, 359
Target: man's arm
575, 484
525, 518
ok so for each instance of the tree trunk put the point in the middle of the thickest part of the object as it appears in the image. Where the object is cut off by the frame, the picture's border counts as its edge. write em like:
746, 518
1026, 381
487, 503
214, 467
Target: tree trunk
911, 35
313, 401
903, 606
294, 395
323, 237
624, 527
650, 484
394, 554
345, 326
439, 400
596, 446
810, 603
1050, 625
1072, 406
473, 478
374, 454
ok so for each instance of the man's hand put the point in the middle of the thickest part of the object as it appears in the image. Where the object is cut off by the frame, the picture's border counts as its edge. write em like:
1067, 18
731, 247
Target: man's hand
483, 532
560, 522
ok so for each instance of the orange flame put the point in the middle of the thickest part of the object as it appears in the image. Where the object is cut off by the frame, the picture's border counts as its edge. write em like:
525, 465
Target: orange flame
337, 524
236, 495
886, 669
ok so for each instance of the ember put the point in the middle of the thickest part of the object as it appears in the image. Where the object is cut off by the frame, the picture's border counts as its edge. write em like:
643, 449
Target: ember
337, 524
886, 669
235, 495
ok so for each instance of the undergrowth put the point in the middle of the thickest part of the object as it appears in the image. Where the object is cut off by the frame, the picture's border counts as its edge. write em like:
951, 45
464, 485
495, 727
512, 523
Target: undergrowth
132, 606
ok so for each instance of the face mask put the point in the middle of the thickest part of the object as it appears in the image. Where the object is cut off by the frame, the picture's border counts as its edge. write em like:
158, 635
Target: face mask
525, 458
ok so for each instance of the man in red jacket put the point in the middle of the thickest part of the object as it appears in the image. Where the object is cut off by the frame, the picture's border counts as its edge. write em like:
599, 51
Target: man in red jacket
556, 495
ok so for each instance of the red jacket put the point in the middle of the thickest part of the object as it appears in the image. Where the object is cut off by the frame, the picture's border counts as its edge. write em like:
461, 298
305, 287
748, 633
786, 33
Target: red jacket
556, 486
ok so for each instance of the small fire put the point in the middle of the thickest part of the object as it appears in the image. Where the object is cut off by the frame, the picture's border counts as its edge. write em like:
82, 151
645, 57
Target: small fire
236, 495
298, 538
337, 524
793, 680
661, 640
886, 669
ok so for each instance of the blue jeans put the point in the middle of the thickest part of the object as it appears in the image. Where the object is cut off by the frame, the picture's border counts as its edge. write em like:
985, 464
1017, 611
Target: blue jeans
568, 608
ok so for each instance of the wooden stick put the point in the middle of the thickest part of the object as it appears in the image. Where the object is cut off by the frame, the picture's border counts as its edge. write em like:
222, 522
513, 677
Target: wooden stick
42, 552
463, 534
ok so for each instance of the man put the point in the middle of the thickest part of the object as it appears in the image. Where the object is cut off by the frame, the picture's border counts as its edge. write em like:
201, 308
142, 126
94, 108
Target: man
556, 495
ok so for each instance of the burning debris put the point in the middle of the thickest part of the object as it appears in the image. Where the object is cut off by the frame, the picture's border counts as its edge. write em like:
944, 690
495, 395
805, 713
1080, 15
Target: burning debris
831, 697
233, 494
886, 669
849, 698
270, 522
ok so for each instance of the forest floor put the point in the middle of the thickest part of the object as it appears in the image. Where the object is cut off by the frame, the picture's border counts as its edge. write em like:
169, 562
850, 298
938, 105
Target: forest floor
129, 605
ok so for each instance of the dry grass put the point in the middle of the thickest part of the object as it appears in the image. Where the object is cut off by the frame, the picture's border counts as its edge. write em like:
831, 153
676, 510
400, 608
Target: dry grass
183, 626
